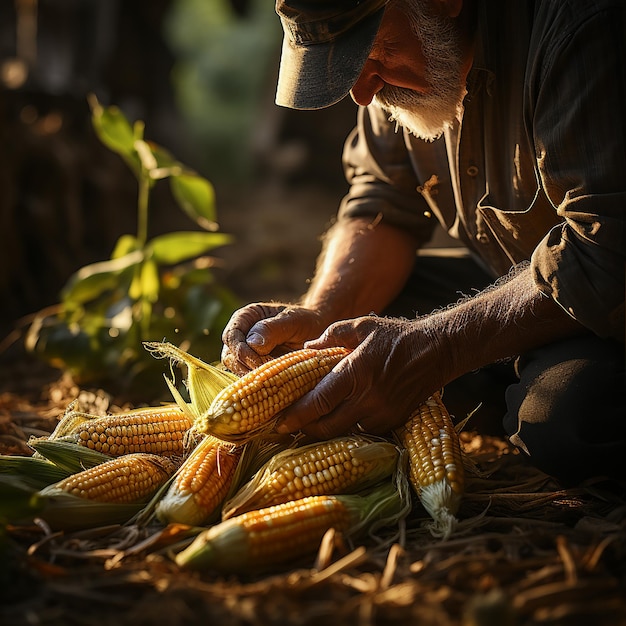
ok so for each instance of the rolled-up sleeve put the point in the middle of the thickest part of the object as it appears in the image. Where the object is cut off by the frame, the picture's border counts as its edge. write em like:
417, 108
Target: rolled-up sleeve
579, 130
382, 180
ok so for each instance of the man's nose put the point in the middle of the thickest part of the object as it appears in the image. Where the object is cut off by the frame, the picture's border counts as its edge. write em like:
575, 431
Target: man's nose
368, 84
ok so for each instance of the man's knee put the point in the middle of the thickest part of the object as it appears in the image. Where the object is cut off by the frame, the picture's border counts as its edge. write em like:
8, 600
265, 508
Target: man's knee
568, 410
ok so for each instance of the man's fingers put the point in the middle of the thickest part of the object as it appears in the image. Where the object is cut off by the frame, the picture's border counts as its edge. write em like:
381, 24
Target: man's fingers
336, 423
288, 327
347, 333
328, 339
241, 359
320, 401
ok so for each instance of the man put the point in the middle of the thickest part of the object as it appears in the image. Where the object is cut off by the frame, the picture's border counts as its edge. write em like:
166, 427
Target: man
504, 121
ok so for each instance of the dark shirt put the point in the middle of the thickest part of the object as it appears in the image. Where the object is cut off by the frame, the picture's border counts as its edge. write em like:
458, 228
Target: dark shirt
536, 169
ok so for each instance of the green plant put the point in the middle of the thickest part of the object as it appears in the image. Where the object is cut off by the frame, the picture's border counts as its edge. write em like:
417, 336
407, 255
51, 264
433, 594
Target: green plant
150, 289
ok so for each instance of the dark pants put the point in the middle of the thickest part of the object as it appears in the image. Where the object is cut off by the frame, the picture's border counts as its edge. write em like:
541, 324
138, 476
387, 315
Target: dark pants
563, 404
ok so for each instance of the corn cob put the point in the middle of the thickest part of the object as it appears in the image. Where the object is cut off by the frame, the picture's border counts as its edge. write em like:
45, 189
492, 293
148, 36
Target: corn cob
435, 461
201, 484
127, 479
339, 466
153, 430
277, 534
249, 406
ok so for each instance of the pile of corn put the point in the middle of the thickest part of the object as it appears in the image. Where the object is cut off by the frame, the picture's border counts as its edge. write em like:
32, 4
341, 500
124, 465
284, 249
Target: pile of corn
216, 464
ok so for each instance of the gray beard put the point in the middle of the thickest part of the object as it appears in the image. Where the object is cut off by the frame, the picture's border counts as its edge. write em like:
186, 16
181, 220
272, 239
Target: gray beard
428, 115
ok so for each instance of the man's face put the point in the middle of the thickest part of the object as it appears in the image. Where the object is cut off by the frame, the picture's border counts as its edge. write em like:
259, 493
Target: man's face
416, 70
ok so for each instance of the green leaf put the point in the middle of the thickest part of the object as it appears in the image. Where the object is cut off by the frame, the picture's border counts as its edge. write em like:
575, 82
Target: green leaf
135, 290
125, 245
68, 456
35, 472
113, 129
18, 500
65, 511
164, 158
150, 283
146, 317
91, 281
172, 248
196, 197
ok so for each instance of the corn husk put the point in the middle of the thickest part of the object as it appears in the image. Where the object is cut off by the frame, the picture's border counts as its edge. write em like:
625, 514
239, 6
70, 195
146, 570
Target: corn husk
203, 381
68, 455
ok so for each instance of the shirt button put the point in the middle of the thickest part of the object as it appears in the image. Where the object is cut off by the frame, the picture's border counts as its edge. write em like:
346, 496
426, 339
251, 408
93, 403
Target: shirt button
472, 171
482, 238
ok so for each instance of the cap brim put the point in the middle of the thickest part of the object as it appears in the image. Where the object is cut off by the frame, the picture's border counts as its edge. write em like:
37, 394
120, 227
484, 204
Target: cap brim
319, 75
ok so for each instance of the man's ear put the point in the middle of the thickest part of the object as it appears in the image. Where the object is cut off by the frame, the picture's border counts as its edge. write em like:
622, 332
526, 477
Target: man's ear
451, 8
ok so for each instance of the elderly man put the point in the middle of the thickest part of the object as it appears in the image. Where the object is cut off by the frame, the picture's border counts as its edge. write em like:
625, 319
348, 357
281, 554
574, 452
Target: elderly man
505, 123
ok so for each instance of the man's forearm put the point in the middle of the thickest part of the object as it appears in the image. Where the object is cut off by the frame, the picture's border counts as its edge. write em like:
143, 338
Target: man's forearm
503, 321
362, 268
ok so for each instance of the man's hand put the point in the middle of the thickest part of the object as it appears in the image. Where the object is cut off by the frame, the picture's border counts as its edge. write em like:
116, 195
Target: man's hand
258, 332
395, 363
389, 371
363, 266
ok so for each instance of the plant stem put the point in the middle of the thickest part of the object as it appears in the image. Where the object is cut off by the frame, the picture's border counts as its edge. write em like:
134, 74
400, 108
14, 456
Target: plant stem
142, 211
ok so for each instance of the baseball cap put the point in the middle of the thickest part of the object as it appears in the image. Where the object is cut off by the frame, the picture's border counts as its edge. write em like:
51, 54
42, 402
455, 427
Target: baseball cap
325, 45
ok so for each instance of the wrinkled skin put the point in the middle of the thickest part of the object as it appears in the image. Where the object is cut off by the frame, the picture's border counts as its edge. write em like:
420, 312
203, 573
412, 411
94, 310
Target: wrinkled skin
385, 356
258, 332
377, 385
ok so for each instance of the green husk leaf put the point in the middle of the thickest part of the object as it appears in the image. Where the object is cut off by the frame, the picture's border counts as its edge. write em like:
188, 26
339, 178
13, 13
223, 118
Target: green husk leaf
180, 401
65, 511
385, 505
204, 381
71, 421
67, 454
34, 472
19, 502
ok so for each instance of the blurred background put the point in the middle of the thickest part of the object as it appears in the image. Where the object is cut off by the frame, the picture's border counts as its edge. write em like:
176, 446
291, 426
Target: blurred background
201, 74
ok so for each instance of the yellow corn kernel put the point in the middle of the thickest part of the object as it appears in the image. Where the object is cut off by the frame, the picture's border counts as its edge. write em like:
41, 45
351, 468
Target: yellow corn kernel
435, 462
341, 465
201, 484
250, 405
153, 430
125, 479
